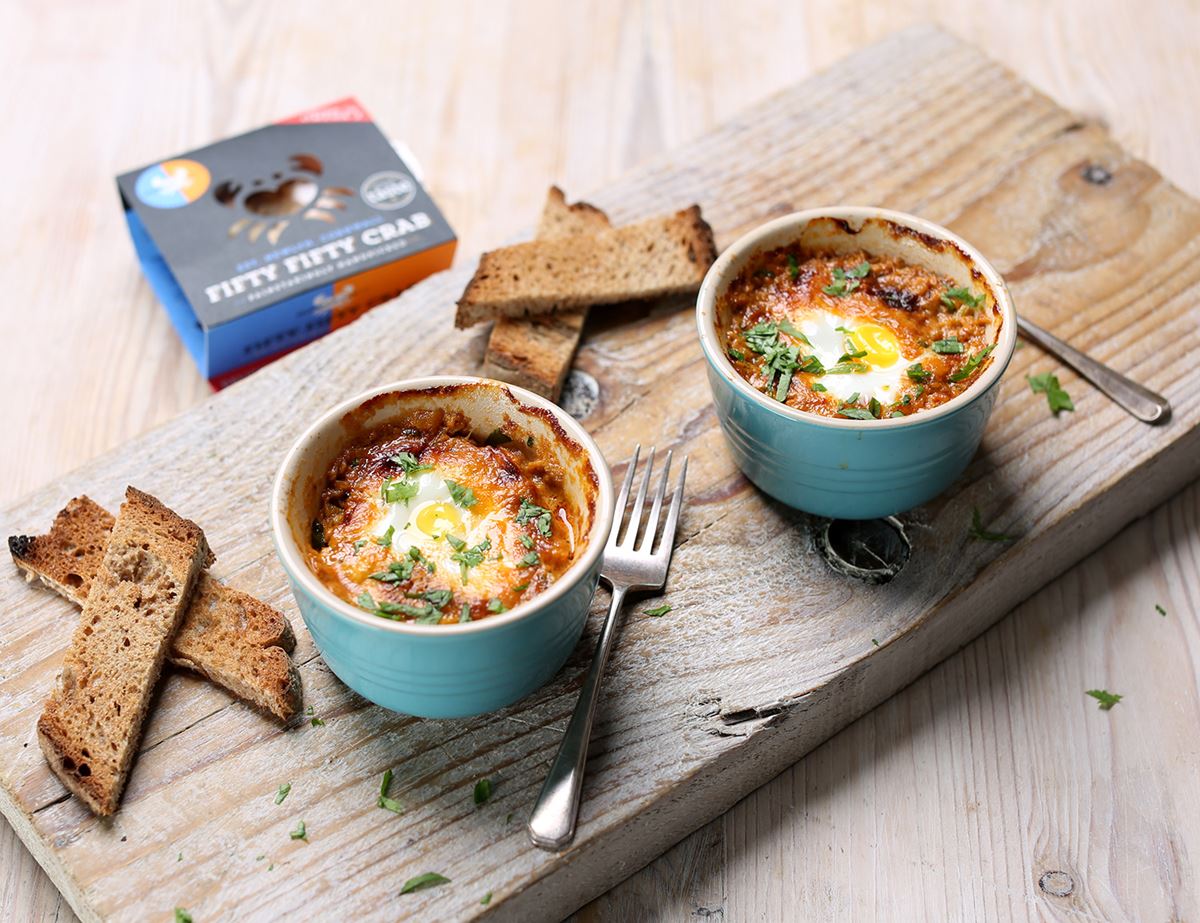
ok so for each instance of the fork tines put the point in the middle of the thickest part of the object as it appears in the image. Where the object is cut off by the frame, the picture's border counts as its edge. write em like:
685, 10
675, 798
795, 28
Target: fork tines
625, 534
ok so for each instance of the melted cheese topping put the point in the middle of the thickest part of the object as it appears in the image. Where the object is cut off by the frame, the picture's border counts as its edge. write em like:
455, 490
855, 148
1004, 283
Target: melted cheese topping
422, 521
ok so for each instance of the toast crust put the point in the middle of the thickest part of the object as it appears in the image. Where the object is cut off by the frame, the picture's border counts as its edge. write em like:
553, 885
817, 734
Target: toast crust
225, 635
654, 258
91, 725
536, 352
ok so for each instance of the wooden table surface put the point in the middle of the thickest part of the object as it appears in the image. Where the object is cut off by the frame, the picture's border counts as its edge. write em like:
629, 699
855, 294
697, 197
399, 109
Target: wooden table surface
939, 804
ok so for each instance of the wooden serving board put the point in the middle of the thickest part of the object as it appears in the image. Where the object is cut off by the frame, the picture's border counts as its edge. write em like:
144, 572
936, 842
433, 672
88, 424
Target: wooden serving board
767, 650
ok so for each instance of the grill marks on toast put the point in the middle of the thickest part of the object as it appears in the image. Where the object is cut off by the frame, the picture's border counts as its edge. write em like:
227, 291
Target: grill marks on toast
225, 635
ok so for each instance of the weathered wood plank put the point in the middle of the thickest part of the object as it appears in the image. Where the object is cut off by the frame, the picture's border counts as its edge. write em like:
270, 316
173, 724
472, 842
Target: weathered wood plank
688, 726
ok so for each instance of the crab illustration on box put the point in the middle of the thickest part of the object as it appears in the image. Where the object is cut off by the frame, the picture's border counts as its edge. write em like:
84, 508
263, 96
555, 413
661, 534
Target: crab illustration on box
272, 208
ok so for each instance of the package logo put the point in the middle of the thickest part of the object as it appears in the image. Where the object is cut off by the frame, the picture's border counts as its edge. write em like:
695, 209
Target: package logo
172, 183
388, 190
272, 203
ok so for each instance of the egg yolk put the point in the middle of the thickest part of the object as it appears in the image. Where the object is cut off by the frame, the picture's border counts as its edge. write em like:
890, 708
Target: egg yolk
438, 518
880, 345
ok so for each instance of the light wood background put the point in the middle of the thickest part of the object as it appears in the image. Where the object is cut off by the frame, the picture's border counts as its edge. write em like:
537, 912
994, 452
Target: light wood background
939, 804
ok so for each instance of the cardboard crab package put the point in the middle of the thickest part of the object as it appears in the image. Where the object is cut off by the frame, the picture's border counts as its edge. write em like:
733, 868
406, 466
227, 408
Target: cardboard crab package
263, 242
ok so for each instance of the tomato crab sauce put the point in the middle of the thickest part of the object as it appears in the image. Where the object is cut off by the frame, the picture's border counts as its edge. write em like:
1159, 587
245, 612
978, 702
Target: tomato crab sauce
477, 526
938, 335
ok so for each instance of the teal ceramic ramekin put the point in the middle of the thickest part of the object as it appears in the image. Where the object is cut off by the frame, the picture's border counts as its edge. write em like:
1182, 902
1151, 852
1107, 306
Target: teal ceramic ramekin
841, 468
445, 671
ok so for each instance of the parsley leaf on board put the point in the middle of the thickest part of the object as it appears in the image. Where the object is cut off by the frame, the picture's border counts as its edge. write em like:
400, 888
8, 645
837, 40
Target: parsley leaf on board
428, 880
1056, 396
658, 610
283, 792
1159, 609
300, 833
978, 533
483, 791
1106, 699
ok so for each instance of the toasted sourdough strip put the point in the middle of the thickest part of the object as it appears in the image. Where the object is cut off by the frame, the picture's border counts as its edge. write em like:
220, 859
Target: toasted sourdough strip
91, 724
226, 635
536, 352
661, 256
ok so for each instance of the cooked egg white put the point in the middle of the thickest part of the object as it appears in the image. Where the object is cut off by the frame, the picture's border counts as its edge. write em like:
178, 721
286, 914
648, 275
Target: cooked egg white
425, 520
832, 336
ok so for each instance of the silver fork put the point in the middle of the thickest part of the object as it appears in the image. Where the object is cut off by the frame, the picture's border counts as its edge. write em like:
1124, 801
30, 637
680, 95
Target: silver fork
628, 565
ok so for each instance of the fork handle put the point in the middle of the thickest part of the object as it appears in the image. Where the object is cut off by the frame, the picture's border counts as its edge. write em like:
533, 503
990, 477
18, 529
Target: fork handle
552, 823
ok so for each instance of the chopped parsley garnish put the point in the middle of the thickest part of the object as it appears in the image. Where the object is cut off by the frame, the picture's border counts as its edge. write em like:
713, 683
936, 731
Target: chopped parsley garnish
316, 722
845, 368
527, 541
439, 599
397, 571
737, 355
495, 604
978, 533
497, 437
464, 614
486, 899
948, 345
317, 536
955, 296
918, 372
388, 804
415, 554
538, 515
529, 441
283, 792
875, 407
817, 386
182, 916
1106, 699
399, 489
409, 463
468, 557
968, 368
851, 352
856, 413
1056, 397
386, 539
463, 496
762, 337
852, 399
300, 833
483, 790
793, 267
658, 610
530, 560
793, 331
847, 280
358, 546
426, 614
428, 880
896, 413
1159, 609
782, 360
521, 588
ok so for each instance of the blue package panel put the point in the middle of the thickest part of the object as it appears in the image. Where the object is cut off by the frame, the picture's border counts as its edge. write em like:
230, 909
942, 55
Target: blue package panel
270, 330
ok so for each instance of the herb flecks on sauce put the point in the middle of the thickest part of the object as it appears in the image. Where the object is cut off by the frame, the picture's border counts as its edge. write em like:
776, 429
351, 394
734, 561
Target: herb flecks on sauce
488, 543
943, 348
